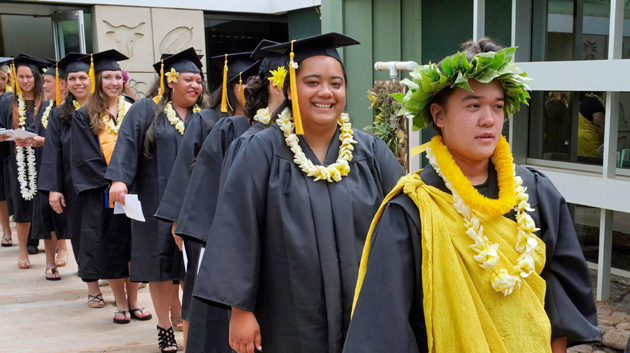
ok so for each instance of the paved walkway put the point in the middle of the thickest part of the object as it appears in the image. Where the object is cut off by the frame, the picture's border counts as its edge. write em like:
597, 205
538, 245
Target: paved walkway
52, 316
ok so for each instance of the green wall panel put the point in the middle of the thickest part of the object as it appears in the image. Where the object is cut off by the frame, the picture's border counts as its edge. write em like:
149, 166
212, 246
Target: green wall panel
304, 23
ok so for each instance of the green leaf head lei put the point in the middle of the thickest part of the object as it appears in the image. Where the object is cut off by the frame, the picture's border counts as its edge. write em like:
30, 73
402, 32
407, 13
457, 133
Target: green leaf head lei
427, 80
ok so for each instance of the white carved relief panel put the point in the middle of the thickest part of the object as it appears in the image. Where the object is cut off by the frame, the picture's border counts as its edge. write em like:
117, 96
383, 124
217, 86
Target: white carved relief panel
176, 30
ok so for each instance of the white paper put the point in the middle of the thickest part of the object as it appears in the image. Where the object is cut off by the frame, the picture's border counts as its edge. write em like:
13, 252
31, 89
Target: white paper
118, 208
19, 133
185, 258
133, 208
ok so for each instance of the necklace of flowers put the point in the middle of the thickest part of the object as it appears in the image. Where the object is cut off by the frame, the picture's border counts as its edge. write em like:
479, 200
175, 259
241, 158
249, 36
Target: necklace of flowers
27, 189
333, 172
47, 113
172, 117
486, 252
108, 121
262, 116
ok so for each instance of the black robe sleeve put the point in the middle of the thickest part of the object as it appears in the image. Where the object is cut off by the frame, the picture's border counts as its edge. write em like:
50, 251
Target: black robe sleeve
50, 171
388, 316
130, 143
88, 163
569, 298
5, 121
197, 129
199, 204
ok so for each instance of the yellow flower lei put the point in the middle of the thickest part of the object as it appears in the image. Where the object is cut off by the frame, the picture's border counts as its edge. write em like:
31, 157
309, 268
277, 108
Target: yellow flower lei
172, 117
76, 105
333, 172
47, 114
263, 116
27, 189
123, 106
278, 76
486, 253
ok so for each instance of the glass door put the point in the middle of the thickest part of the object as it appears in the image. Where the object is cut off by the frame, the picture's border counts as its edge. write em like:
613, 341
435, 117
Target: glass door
69, 32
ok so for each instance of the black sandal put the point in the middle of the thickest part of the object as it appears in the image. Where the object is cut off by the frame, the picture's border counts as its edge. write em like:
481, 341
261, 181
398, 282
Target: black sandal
166, 339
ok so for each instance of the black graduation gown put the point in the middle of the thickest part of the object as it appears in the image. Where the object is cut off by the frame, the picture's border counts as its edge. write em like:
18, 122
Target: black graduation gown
45, 220
105, 237
287, 247
199, 204
155, 256
54, 175
4, 167
198, 127
22, 209
392, 320
208, 329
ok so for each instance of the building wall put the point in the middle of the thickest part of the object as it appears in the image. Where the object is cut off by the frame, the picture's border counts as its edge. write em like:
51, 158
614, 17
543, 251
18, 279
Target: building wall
143, 34
304, 23
387, 29
23, 34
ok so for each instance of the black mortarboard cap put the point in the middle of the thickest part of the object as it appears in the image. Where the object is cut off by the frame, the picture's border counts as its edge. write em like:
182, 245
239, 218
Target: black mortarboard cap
268, 60
25, 59
184, 61
238, 63
54, 70
74, 62
322, 44
106, 60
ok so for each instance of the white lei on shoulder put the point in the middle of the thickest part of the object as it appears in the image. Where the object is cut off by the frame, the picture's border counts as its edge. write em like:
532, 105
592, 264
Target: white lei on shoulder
333, 172
28, 189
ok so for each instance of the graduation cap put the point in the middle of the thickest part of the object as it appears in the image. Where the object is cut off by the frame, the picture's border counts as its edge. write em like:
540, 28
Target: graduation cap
21, 60
56, 72
185, 61
74, 62
270, 62
235, 66
103, 61
300, 49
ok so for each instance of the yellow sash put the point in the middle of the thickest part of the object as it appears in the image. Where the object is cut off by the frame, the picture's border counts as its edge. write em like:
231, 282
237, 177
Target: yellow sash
108, 142
588, 138
463, 313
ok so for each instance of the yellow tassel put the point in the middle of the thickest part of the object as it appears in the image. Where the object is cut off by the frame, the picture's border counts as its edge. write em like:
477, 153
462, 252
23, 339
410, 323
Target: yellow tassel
92, 74
12, 69
240, 87
156, 99
419, 149
297, 118
17, 89
57, 91
224, 92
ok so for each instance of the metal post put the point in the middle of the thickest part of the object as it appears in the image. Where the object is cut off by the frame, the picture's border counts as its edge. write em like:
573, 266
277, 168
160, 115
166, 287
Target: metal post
479, 19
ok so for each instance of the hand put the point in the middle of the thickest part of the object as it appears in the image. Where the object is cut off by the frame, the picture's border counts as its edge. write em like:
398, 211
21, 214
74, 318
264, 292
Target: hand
57, 201
37, 141
244, 331
23, 142
117, 192
177, 238
4, 138
559, 345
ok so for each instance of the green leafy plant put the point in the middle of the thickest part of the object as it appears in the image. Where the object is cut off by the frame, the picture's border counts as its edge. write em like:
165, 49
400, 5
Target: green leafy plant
388, 124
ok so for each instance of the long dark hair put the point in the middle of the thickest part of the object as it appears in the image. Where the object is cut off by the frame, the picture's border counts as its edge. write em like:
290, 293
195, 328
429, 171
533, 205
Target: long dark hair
470, 48
38, 94
286, 103
151, 133
256, 95
65, 110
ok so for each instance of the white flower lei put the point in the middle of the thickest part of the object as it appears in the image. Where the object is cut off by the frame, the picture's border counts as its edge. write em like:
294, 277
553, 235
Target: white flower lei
47, 113
123, 106
333, 172
28, 190
172, 117
487, 256
263, 116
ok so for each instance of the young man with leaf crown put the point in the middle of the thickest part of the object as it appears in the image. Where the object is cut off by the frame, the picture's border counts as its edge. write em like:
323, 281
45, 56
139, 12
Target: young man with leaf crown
476, 254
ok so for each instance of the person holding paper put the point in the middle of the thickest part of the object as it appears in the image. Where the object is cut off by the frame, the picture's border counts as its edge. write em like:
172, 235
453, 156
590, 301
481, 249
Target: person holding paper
141, 164
105, 236
18, 111
7, 239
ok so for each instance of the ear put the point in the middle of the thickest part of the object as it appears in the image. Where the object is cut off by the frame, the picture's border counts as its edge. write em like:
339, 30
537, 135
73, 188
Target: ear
171, 85
437, 112
289, 93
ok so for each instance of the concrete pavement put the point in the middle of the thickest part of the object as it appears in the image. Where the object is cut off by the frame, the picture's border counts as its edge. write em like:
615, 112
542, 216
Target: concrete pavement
52, 316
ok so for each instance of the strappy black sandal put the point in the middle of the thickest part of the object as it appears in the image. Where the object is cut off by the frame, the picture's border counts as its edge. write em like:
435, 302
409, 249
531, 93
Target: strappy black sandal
166, 339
